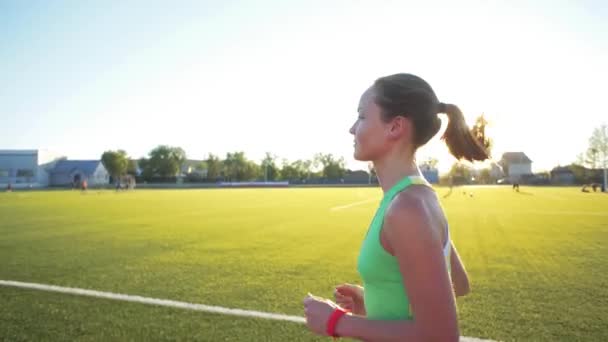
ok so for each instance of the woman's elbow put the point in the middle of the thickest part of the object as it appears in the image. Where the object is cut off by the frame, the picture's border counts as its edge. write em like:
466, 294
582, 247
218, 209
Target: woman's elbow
462, 292
462, 288
441, 336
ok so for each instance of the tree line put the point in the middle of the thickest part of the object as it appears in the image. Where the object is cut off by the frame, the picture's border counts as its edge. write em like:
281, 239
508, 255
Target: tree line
169, 163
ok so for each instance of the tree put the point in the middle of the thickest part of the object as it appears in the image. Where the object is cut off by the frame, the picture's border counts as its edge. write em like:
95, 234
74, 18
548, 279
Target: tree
590, 158
214, 167
485, 176
289, 171
146, 170
580, 159
251, 171
163, 161
298, 170
305, 167
460, 173
598, 143
233, 165
596, 155
332, 168
132, 167
269, 167
116, 162
237, 168
200, 166
598, 147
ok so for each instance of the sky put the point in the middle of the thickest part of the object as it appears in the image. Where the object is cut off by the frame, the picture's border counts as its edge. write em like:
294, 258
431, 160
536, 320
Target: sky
83, 77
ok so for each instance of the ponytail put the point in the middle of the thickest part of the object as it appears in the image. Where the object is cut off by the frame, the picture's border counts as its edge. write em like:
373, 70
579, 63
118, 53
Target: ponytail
461, 141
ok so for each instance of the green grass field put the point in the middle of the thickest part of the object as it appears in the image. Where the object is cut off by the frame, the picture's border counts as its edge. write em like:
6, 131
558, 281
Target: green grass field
538, 261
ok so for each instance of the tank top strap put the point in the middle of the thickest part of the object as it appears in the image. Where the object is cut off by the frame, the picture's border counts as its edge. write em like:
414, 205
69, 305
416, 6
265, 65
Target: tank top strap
419, 180
402, 184
397, 188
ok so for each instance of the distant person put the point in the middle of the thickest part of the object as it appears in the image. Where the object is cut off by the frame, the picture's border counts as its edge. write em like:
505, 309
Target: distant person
407, 262
9, 187
84, 185
516, 186
451, 183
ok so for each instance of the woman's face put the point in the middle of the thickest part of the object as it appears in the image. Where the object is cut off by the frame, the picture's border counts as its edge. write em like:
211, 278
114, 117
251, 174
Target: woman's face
370, 131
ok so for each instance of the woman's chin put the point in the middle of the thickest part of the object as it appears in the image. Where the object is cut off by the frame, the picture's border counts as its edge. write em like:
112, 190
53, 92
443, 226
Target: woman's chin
359, 157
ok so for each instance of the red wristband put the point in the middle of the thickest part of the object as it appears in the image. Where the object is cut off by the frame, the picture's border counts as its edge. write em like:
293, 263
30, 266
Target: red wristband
333, 321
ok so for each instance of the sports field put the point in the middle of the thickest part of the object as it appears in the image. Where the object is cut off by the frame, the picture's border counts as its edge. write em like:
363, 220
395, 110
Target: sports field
538, 261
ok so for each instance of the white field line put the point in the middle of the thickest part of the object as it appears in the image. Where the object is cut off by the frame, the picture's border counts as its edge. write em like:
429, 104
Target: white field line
565, 212
152, 301
171, 303
341, 207
553, 212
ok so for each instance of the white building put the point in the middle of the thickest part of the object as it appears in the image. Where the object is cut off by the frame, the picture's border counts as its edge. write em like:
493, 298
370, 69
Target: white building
23, 168
515, 165
41, 168
69, 172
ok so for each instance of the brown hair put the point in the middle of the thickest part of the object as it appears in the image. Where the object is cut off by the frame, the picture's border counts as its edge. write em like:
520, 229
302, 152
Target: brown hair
412, 97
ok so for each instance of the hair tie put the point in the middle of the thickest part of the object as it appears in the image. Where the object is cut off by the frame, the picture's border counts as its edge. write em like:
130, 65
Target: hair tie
441, 107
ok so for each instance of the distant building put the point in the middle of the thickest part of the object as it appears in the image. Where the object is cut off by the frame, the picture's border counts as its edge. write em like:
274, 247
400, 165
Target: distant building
576, 174
23, 168
516, 165
68, 172
562, 175
41, 168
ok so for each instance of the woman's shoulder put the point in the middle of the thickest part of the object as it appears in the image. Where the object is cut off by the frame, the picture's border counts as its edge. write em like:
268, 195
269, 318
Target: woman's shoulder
411, 211
416, 199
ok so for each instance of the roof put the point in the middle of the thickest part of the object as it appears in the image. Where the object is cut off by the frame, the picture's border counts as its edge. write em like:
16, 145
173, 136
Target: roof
515, 158
69, 166
561, 169
19, 152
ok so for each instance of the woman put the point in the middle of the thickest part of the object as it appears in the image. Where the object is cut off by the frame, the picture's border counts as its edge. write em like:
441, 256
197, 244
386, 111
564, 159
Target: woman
407, 257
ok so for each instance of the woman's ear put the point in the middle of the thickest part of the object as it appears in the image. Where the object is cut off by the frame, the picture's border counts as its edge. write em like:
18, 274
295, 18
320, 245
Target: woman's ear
399, 127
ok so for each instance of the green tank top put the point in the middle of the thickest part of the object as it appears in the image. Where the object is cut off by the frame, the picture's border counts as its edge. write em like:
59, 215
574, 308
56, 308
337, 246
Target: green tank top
385, 294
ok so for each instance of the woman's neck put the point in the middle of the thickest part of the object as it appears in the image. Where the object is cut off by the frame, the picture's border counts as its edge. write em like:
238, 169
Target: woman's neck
391, 170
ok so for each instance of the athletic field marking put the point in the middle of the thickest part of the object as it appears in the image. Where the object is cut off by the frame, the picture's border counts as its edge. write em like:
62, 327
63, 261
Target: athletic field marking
152, 301
560, 212
340, 207
170, 303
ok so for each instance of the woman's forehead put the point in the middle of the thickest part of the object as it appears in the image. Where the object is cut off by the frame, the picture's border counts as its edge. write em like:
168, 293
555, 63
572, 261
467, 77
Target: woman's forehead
366, 98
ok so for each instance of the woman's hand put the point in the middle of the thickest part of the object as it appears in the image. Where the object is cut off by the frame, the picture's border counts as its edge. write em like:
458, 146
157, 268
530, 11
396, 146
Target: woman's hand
317, 311
350, 297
